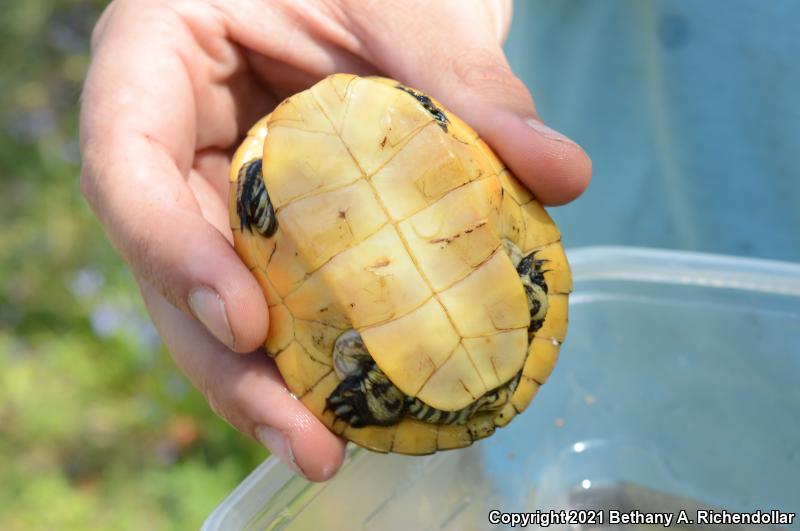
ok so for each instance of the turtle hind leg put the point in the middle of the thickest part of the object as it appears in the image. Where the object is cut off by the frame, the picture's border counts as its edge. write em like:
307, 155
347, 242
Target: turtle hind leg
532, 276
365, 396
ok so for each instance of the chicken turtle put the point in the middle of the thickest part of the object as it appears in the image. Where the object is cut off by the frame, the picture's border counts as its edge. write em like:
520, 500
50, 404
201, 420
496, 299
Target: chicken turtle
417, 291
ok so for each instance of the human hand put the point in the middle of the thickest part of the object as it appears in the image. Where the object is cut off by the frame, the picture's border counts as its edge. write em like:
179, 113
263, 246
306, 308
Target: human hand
172, 88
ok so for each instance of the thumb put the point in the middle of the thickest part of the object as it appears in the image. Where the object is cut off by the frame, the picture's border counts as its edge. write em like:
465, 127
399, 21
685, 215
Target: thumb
454, 55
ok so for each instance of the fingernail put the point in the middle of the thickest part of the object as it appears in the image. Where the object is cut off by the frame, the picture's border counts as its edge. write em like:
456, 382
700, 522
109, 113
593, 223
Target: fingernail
327, 471
278, 444
209, 308
546, 132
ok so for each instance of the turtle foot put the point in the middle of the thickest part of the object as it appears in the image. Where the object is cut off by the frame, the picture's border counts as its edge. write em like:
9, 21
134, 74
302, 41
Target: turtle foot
367, 398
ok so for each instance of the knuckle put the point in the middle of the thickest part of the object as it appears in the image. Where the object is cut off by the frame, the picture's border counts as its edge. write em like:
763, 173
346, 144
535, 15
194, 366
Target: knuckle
88, 186
140, 251
91, 165
487, 73
212, 387
500, 12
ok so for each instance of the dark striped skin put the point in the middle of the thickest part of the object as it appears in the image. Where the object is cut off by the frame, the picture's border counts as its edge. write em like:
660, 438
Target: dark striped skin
494, 399
367, 397
532, 276
428, 105
253, 205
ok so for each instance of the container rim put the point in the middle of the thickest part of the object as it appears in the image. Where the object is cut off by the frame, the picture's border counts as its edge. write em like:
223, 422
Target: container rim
643, 264
588, 264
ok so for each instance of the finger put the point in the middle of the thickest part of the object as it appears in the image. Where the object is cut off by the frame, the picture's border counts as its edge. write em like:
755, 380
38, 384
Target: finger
304, 42
248, 392
138, 124
289, 78
158, 228
453, 54
209, 164
500, 12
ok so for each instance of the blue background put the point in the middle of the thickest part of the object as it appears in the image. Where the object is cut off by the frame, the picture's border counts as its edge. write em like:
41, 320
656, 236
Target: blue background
689, 111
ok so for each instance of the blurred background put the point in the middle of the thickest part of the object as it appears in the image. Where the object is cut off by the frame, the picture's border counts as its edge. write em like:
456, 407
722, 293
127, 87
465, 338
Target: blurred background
98, 430
688, 111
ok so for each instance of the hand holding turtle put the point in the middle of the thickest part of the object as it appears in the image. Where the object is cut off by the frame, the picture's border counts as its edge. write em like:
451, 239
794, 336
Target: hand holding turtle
172, 89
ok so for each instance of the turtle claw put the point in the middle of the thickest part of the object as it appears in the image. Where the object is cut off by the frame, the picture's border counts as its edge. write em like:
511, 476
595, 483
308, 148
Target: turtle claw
348, 414
347, 409
347, 400
343, 410
367, 398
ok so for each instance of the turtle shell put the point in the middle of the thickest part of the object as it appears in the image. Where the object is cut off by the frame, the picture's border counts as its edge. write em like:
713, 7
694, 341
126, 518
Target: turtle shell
390, 217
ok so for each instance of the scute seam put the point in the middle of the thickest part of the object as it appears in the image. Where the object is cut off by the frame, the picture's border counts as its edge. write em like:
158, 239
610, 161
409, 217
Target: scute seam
450, 355
388, 216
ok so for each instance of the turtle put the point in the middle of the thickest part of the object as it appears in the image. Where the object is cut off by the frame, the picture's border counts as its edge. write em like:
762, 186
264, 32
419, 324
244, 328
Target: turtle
417, 291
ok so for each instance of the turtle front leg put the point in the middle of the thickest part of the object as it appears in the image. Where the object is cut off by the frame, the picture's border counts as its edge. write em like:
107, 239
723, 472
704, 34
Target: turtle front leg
365, 396
253, 205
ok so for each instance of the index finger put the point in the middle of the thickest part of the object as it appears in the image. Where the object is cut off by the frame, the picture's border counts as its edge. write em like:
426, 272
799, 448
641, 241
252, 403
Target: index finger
139, 136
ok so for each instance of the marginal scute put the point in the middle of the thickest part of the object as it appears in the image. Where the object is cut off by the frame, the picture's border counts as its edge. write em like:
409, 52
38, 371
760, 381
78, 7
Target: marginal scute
504, 415
541, 359
557, 274
313, 301
284, 267
481, 426
317, 339
526, 390
539, 228
511, 222
495, 164
457, 128
399, 124
301, 371
270, 294
375, 438
453, 436
252, 248
314, 398
555, 324
415, 437
281, 329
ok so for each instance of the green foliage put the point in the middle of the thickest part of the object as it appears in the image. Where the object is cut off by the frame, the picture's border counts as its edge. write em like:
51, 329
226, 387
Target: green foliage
98, 430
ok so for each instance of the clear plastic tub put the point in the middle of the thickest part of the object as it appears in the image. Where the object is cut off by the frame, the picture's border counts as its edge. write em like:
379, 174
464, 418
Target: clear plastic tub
678, 388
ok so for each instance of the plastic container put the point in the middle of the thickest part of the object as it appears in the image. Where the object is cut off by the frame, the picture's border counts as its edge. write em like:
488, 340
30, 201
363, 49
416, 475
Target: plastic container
678, 387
